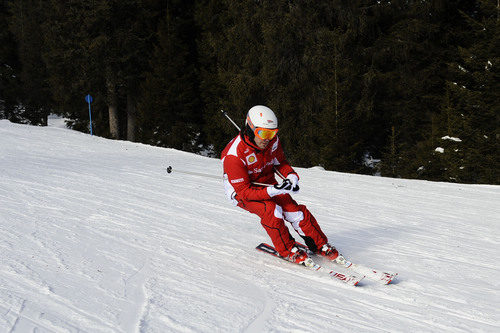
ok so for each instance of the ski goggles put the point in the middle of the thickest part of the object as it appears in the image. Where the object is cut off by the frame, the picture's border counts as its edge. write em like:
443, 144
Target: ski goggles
261, 132
265, 133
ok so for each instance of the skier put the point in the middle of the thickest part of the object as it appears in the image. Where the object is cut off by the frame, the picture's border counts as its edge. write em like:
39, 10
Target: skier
253, 156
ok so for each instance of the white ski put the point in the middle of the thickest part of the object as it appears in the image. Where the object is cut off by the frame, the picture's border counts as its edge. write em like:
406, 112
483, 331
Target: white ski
351, 280
376, 275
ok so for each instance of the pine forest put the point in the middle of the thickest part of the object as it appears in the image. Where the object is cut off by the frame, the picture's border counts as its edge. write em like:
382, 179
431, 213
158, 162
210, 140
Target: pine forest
395, 88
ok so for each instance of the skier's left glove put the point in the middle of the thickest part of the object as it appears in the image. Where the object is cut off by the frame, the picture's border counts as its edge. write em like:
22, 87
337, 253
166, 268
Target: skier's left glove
295, 182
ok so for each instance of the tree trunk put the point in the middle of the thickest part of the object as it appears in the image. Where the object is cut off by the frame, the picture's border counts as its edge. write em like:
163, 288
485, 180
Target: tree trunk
113, 121
131, 118
114, 124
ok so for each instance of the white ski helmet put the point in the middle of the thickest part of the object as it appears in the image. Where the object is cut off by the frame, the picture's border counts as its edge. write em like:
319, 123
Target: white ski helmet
261, 116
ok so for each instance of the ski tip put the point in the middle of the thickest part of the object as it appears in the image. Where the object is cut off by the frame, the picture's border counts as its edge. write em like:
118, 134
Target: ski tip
391, 278
360, 279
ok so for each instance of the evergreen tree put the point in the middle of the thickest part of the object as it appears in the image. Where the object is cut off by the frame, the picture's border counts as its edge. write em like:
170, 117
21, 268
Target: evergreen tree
109, 50
10, 86
308, 65
291, 83
71, 64
473, 94
170, 113
411, 58
25, 23
409, 77
278, 53
119, 44
464, 140
414, 83
230, 50
347, 109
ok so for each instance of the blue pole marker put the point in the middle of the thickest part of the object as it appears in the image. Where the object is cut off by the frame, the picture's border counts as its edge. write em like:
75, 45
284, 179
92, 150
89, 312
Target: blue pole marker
89, 100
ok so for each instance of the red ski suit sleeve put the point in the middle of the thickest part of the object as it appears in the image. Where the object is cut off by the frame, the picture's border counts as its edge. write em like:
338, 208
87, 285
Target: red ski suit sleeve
237, 174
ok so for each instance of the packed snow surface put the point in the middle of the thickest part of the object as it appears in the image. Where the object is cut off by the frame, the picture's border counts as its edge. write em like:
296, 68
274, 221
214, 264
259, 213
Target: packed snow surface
95, 236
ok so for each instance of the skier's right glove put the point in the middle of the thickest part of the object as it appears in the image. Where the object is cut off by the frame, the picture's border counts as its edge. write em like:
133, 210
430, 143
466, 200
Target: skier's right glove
286, 187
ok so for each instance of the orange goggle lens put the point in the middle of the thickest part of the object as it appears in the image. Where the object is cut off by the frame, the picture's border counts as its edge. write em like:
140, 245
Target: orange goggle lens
265, 133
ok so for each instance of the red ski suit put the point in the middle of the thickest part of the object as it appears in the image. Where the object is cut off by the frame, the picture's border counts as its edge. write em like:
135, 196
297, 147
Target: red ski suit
244, 163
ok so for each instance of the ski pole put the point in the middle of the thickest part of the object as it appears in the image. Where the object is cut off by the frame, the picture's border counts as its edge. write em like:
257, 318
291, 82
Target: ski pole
279, 173
206, 175
227, 116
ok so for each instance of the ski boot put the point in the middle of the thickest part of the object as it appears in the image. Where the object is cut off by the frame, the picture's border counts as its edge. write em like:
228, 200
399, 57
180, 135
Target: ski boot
300, 257
329, 252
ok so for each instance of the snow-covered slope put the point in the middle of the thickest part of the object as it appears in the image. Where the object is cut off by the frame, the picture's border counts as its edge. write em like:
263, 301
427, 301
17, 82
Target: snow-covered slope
95, 236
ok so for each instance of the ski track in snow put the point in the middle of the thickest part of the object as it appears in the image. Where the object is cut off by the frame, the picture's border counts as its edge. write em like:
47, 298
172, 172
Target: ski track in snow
95, 236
